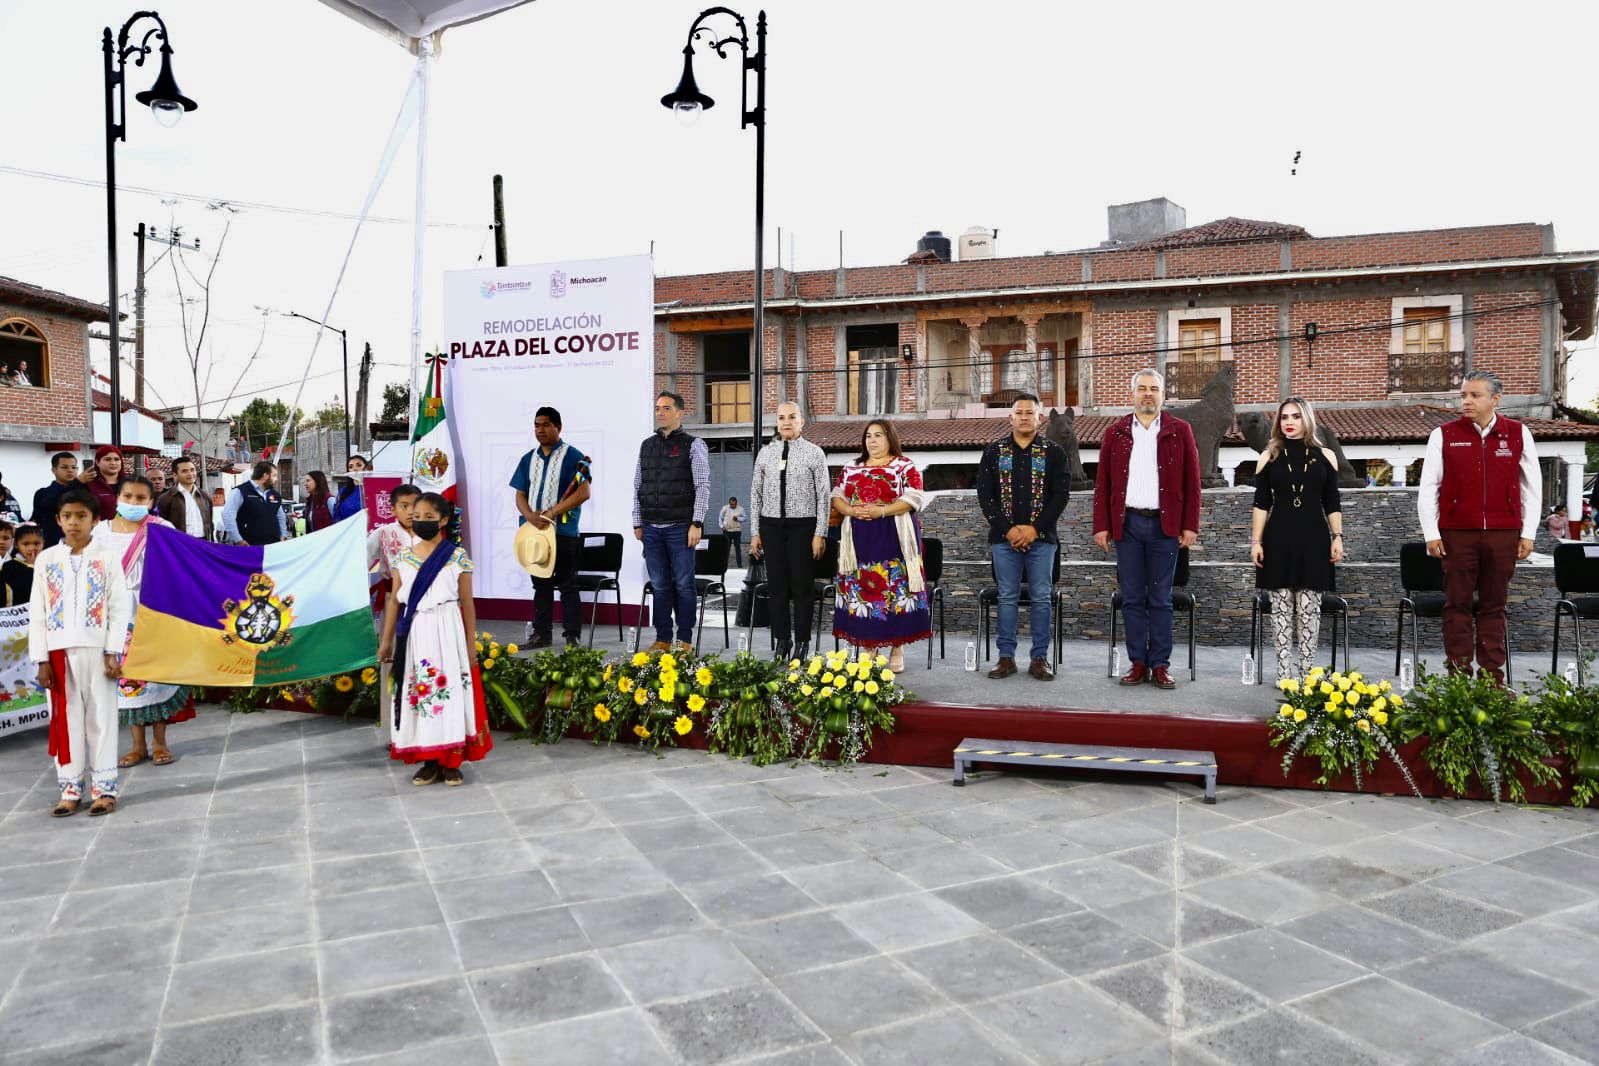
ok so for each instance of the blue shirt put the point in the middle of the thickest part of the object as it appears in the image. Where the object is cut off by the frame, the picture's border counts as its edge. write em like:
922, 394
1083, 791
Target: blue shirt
348, 504
529, 478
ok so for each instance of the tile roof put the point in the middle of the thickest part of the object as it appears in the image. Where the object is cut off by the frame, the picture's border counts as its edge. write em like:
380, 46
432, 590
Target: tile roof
25, 294
1224, 231
1354, 425
213, 465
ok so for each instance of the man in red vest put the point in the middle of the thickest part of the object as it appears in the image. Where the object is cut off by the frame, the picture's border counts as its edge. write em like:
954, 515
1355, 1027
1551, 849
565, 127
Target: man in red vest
1146, 499
1479, 501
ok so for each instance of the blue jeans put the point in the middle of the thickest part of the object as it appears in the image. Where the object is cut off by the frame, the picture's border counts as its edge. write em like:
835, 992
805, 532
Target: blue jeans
1036, 565
1146, 562
670, 562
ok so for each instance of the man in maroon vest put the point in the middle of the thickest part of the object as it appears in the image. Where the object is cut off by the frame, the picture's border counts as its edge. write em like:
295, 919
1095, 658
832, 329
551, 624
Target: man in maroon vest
1479, 501
1146, 499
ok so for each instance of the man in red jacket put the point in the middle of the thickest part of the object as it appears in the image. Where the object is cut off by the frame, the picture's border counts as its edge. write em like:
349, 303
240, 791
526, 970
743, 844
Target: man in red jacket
1478, 501
1146, 499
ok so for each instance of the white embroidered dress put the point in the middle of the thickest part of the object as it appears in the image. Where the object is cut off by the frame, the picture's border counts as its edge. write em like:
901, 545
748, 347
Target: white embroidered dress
436, 699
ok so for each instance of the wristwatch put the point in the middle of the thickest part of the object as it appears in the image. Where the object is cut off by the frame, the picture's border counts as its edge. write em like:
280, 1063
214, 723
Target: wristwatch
697, 525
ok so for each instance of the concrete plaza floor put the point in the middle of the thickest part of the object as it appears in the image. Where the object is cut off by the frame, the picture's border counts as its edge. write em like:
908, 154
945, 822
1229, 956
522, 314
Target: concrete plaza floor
282, 894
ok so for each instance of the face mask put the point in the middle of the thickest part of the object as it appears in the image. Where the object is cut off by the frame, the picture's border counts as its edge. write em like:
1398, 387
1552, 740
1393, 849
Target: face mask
426, 528
133, 512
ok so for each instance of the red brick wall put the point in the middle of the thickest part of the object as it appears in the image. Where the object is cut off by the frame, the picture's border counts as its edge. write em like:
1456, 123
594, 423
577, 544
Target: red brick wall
1348, 366
1252, 257
1256, 366
907, 371
1509, 343
1419, 246
687, 383
63, 405
1122, 266
1116, 332
821, 390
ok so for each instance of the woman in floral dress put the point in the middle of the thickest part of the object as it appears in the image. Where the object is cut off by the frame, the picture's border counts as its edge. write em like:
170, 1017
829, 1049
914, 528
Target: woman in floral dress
882, 595
429, 625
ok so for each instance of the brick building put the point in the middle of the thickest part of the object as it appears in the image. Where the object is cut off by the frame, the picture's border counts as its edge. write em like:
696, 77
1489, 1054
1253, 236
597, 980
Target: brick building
1378, 329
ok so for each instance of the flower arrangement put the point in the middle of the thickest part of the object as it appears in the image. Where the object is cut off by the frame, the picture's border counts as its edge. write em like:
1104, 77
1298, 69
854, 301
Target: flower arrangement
648, 696
1476, 728
748, 717
351, 695
842, 701
1339, 719
1570, 714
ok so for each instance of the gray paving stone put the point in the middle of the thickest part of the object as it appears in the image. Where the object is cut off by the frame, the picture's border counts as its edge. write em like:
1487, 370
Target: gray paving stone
44, 879
980, 967
1339, 876
733, 1024
1274, 964
616, 1038
1443, 913
1178, 995
496, 894
813, 847
1031, 849
605, 878
1176, 919
679, 967
404, 957
514, 997
111, 1051
104, 907
1262, 896
1363, 937
283, 1037
1548, 948
1404, 857
230, 857
1005, 901
948, 1037
1183, 865
40, 1016
908, 921
940, 865
1277, 1037
799, 942
1246, 846
109, 869
1559, 864
242, 983
1100, 882
714, 862
1514, 1049
245, 931
224, 892
391, 1020
1471, 838
478, 1051
858, 995
1490, 984
340, 877
68, 956
849, 882
462, 861
1083, 943
504, 940
748, 899
1318, 827
1513, 890
1068, 1022
1405, 1024
380, 911
649, 916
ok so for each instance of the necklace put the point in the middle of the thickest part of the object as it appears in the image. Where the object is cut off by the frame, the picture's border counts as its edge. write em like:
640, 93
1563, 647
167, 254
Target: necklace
1304, 472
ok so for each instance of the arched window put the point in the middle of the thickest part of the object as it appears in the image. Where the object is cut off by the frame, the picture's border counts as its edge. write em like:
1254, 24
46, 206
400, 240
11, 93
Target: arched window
24, 355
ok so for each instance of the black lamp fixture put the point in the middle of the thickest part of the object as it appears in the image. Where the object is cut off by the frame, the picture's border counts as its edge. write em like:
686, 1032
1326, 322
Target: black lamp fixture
907, 352
168, 105
688, 103
1312, 331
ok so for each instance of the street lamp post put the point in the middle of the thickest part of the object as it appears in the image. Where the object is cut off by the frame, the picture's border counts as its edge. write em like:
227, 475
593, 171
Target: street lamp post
344, 342
168, 106
688, 102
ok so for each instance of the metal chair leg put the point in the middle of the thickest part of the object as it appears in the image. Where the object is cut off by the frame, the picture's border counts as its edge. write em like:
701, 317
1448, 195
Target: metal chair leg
616, 592
1415, 641
1347, 664
1193, 668
638, 620
1576, 629
1399, 641
942, 627
1554, 656
1256, 644
1110, 651
727, 634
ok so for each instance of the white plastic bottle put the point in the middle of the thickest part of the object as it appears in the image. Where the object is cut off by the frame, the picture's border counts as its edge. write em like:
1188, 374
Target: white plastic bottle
1407, 675
971, 655
1248, 672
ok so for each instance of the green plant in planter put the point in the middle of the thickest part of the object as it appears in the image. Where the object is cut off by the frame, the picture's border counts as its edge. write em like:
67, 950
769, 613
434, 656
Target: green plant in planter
655, 697
1570, 714
1340, 720
1477, 729
565, 685
842, 702
748, 717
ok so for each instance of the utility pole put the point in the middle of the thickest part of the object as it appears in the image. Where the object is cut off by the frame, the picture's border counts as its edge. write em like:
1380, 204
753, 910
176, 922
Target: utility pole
502, 255
138, 324
362, 394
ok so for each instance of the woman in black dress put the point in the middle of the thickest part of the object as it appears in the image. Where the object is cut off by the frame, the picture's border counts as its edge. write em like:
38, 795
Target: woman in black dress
1297, 534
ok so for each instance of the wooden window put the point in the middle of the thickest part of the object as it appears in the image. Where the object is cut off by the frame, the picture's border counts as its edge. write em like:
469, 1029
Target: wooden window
24, 355
1197, 359
1426, 364
872, 362
730, 402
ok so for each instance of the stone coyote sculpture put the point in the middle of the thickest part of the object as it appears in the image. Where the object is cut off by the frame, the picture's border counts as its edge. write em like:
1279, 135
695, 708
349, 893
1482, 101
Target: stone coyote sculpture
1062, 429
1211, 416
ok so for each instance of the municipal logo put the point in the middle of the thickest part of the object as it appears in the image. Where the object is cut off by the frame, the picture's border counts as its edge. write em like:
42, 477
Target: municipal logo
262, 618
557, 284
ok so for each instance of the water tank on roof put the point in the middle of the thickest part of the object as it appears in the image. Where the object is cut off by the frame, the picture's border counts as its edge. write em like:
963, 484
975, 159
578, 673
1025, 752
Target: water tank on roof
934, 241
977, 243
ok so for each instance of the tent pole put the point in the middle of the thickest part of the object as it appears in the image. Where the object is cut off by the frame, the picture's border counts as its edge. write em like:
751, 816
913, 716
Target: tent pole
424, 59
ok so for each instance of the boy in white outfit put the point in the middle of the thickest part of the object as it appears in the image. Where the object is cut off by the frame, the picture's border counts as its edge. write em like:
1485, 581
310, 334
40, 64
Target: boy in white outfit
78, 622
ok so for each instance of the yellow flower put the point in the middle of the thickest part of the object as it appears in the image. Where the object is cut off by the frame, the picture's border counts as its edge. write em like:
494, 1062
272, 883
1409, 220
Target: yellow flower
1356, 675
369, 676
1393, 698
1354, 699
640, 697
602, 712
1335, 698
696, 703
887, 675
683, 724
815, 667
1316, 674
311, 699
668, 693
703, 676
859, 686
1325, 689
669, 677
806, 690
1288, 684
1286, 710
668, 660
793, 664
511, 649
1379, 703
1349, 712
479, 647
624, 685
1300, 716
494, 652
881, 660
1386, 686
835, 665
872, 689
826, 692
1343, 684
640, 731
828, 678
640, 658
344, 683
1380, 717
488, 664
1363, 725
607, 675
793, 677
854, 668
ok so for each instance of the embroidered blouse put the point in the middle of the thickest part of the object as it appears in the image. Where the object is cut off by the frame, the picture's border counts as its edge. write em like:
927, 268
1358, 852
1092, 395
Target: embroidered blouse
897, 479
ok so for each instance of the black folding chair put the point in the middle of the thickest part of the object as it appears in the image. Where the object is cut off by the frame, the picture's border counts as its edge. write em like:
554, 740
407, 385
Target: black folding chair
1577, 579
824, 580
1181, 600
988, 602
599, 567
710, 579
933, 572
1422, 579
1260, 607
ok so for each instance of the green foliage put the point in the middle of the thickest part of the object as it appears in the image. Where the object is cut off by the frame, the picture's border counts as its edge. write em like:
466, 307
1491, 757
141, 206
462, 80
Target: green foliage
1477, 730
1340, 720
329, 416
842, 702
748, 717
396, 402
1569, 714
262, 420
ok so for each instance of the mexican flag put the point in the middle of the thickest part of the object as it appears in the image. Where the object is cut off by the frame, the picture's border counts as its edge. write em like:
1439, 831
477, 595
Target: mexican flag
432, 453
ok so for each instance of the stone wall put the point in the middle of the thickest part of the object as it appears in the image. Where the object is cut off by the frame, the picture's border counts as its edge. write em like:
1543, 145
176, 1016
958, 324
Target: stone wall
1376, 522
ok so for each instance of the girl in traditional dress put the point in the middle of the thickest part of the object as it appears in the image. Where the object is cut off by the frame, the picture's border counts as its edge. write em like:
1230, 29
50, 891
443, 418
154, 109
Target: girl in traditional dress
882, 597
429, 626
141, 703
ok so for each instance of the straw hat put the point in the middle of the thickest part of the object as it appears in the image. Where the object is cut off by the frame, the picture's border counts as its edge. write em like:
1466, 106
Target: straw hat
535, 549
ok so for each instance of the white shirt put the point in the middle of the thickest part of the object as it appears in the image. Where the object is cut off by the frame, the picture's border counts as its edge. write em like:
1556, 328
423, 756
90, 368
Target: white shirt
1432, 479
1143, 468
86, 605
193, 521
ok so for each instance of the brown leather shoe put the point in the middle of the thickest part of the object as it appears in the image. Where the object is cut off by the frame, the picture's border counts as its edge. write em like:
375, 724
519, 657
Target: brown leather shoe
1162, 678
1039, 670
1004, 668
659, 645
1137, 675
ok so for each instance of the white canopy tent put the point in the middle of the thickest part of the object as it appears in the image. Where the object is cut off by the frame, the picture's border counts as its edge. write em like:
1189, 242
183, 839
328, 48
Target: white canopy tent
419, 26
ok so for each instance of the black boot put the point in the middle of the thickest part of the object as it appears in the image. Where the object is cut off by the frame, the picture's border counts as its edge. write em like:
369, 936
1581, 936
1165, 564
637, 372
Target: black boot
781, 652
802, 651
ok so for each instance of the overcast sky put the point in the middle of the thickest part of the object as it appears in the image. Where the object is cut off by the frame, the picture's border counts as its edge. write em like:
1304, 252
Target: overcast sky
887, 118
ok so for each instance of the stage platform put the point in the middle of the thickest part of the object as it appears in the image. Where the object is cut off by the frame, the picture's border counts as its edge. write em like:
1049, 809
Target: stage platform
1214, 712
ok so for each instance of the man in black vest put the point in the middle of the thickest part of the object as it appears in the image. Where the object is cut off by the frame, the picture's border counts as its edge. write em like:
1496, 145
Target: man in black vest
671, 490
254, 512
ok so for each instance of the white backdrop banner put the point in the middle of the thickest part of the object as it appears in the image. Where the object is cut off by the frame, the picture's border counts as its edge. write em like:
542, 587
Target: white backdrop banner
577, 336
23, 704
